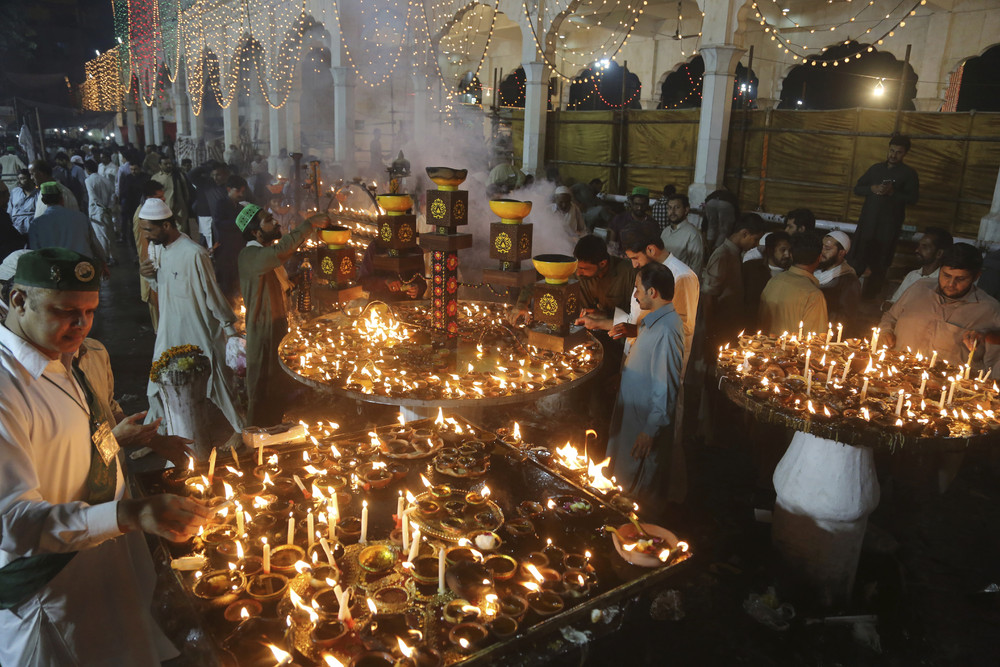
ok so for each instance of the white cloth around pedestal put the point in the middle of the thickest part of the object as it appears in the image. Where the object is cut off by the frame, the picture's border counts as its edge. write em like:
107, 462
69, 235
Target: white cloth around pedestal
827, 480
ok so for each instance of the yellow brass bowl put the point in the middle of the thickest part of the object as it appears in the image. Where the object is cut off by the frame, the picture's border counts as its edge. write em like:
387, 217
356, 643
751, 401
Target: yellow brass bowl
395, 204
335, 236
556, 269
447, 178
511, 211
377, 558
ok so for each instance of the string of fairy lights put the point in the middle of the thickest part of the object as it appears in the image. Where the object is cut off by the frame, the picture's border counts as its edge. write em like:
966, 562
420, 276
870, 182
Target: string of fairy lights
102, 88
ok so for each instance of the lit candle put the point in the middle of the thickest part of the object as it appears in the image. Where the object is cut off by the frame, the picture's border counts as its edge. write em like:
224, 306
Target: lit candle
344, 615
809, 381
864, 389
971, 353
923, 382
875, 332
414, 546
236, 457
933, 359
291, 529
829, 375
335, 507
260, 455
240, 527
944, 395
326, 548
800, 329
441, 589
808, 355
267, 556
399, 505
951, 390
406, 531
211, 463
847, 367
840, 331
899, 403
829, 332
311, 527
364, 522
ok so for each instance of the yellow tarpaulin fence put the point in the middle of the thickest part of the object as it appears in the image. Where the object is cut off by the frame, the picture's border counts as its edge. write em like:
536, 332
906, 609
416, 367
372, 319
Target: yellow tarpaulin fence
788, 158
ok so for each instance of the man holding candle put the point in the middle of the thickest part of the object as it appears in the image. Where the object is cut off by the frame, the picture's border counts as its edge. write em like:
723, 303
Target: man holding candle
936, 315
645, 457
73, 588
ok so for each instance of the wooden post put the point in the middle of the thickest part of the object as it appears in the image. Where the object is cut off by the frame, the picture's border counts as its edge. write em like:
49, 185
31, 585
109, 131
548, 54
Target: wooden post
746, 126
902, 88
621, 133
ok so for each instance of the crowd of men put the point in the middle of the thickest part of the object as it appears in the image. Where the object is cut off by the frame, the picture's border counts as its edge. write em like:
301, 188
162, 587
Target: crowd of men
661, 292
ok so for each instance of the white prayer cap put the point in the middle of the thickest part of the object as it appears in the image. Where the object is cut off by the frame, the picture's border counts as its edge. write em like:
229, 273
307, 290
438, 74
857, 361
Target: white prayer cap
763, 239
562, 190
155, 209
77, 159
9, 265
843, 239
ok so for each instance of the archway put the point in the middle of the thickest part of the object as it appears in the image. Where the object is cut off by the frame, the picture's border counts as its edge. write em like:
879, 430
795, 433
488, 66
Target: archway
600, 87
848, 76
681, 89
978, 88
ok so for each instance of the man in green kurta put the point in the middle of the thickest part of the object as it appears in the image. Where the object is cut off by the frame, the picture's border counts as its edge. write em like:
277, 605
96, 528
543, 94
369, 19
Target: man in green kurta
263, 282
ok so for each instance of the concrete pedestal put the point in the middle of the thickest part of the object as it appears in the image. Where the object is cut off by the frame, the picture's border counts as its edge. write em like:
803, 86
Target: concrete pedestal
825, 492
184, 405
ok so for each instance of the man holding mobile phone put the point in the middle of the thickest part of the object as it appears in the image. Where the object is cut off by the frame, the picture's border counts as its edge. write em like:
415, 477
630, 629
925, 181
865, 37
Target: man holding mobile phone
887, 188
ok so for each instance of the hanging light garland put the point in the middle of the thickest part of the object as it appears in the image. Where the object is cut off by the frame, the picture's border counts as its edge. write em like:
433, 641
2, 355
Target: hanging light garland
102, 87
378, 30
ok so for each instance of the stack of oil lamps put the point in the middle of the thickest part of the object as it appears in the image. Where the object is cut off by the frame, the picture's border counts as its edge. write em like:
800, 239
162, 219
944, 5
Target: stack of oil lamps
859, 384
447, 209
386, 353
510, 243
555, 305
299, 554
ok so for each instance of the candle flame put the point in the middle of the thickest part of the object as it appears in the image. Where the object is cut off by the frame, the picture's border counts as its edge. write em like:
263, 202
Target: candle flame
331, 661
664, 555
403, 648
596, 474
683, 546
228, 490
244, 614
239, 549
535, 573
410, 498
464, 642
517, 431
281, 656
423, 480
440, 418
401, 419
267, 480
301, 566
190, 464
485, 492
371, 606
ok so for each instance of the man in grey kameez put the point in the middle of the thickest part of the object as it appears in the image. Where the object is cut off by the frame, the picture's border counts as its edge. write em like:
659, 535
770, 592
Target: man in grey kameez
642, 447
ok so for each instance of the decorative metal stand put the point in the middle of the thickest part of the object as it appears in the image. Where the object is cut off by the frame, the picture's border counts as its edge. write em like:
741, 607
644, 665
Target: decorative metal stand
510, 242
447, 209
555, 305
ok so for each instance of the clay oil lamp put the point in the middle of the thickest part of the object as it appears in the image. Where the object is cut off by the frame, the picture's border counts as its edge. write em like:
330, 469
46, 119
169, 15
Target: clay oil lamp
197, 486
374, 659
555, 555
551, 579
500, 566
455, 507
284, 558
391, 598
467, 637
545, 603
520, 527
250, 565
422, 434
261, 525
514, 606
459, 554
250, 489
477, 499
242, 610
217, 535
417, 656
285, 489
424, 569
219, 588
427, 508
398, 470
175, 478
484, 520
317, 554
574, 584
535, 558
460, 611
377, 559
530, 509
326, 634
503, 626
577, 561
349, 530
267, 471
327, 605
377, 478
440, 491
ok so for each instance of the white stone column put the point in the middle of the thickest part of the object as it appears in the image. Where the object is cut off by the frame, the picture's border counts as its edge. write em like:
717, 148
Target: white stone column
713, 128
231, 123
421, 106
147, 125
182, 114
157, 124
535, 107
276, 134
130, 126
343, 117
293, 120
989, 226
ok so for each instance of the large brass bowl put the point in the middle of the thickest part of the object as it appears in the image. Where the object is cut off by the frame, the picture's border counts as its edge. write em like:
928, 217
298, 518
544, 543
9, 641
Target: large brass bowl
447, 178
511, 211
335, 236
556, 269
395, 204
377, 558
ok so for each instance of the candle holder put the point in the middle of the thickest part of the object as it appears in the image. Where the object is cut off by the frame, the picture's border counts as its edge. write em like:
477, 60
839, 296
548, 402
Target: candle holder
545, 603
374, 659
219, 588
336, 261
425, 569
234, 612
349, 530
327, 634
514, 606
575, 584
510, 243
328, 606
267, 588
447, 209
459, 611
485, 540
555, 305
466, 637
284, 558
377, 559
250, 566
456, 555
503, 627
501, 566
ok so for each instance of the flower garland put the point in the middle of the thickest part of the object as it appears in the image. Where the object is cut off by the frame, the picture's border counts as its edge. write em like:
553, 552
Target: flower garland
182, 358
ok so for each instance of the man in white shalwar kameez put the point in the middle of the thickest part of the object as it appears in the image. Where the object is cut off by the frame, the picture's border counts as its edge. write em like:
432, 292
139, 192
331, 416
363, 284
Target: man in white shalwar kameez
76, 580
641, 444
100, 203
193, 310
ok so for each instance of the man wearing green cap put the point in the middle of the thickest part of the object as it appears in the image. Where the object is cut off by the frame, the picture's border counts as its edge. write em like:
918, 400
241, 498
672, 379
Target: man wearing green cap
263, 282
59, 227
76, 580
635, 219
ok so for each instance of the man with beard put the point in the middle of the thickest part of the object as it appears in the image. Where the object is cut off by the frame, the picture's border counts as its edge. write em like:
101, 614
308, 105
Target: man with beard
839, 282
635, 219
177, 193
888, 187
722, 289
936, 315
264, 284
930, 248
564, 207
22, 202
682, 238
793, 296
775, 259
193, 310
